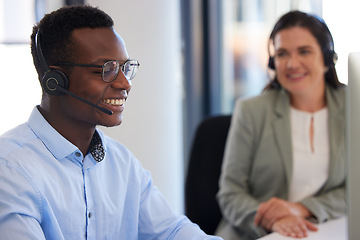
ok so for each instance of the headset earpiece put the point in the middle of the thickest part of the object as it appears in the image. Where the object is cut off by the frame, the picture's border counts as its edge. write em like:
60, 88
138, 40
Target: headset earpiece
56, 76
330, 58
271, 63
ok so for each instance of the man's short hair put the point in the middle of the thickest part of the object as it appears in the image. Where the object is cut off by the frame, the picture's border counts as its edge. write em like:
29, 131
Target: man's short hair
55, 31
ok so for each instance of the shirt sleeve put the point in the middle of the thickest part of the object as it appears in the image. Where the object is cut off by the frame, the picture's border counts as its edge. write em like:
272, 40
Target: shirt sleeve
157, 220
20, 215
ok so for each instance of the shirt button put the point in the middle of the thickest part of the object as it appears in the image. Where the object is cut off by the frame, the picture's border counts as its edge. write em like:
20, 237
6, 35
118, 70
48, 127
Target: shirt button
89, 215
77, 154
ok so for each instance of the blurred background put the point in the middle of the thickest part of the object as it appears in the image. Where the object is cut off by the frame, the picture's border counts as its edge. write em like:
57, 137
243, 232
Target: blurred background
197, 57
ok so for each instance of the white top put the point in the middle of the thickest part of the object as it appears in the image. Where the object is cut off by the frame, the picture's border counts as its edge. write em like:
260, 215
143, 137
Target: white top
310, 163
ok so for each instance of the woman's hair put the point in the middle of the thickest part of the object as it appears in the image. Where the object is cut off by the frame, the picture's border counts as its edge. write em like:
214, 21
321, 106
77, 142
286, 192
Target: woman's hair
318, 28
55, 31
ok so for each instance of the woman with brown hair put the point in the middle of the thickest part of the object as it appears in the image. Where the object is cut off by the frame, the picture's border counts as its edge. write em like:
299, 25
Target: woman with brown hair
284, 163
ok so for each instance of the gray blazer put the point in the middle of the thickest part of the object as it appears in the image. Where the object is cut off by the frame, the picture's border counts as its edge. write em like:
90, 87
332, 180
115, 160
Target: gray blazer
258, 162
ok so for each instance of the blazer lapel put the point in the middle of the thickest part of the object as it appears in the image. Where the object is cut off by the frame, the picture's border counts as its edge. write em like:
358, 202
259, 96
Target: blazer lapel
336, 123
282, 132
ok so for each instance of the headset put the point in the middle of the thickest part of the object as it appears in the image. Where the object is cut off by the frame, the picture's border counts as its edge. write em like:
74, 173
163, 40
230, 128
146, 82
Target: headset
330, 56
55, 82
52, 76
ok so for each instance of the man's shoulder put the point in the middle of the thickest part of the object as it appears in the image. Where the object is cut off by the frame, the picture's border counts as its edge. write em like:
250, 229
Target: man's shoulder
15, 139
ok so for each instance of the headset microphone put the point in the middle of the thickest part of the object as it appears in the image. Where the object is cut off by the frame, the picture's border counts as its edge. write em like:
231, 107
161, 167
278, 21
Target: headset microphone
53, 85
55, 82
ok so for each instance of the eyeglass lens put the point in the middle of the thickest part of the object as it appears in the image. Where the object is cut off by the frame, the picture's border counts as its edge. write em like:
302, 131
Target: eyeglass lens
111, 70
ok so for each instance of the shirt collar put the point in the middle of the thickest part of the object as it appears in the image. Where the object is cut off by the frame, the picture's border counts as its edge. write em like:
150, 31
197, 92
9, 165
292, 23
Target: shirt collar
59, 146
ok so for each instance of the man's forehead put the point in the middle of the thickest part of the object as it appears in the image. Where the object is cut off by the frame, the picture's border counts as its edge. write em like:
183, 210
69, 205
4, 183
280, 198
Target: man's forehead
96, 43
94, 32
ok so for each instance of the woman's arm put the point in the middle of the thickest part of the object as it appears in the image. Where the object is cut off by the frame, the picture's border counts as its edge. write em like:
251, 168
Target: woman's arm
234, 199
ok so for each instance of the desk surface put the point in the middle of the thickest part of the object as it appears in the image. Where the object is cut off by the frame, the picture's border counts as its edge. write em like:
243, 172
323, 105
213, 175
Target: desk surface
335, 230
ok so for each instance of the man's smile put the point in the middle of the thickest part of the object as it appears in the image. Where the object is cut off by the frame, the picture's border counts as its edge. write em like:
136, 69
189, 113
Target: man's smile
115, 102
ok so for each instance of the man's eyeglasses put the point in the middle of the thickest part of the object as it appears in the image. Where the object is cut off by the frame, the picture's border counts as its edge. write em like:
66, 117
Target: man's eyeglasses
110, 69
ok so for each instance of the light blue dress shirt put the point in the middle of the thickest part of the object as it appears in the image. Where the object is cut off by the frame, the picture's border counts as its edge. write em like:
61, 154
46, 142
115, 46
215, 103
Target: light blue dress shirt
49, 190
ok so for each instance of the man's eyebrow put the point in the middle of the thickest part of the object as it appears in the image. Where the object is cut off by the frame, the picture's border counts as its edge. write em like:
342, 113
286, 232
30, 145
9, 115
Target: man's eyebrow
104, 60
101, 61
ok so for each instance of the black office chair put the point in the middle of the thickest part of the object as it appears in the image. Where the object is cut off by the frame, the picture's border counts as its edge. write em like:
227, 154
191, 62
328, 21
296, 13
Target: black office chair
203, 172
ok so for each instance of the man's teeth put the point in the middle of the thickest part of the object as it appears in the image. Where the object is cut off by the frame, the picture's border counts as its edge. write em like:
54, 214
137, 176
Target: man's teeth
117, 102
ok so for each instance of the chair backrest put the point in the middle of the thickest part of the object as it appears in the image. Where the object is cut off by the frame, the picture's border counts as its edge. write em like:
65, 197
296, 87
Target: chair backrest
204, 171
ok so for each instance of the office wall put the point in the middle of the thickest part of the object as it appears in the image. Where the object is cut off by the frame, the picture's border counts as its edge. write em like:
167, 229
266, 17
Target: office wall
152, 126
